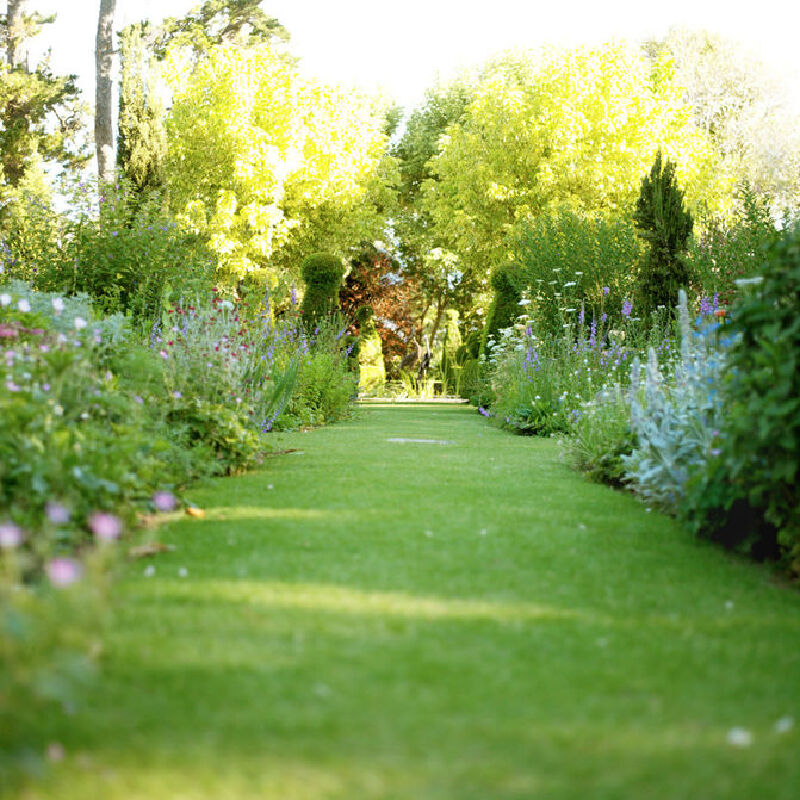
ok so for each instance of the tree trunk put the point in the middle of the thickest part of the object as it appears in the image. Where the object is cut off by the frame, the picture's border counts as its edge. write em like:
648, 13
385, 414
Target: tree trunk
16, 47
441, 300
103, 116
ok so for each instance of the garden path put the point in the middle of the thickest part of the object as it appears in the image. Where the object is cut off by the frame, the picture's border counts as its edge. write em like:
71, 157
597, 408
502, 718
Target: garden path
461, 618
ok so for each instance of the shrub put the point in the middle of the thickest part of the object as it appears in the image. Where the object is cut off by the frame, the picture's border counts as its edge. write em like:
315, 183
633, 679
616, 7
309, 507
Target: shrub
572, 260
602, 436
721, 255
322, 274
325, 384
505, 307
127, 254
677, 414
540, 382
220, 354
750, 494
665, 225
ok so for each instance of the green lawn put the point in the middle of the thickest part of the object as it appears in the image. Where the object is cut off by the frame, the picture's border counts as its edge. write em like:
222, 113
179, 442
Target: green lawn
414, 621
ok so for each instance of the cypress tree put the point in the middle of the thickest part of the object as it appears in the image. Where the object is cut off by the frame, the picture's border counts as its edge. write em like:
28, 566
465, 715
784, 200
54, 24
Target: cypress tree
665, 225
141, 141
505, 306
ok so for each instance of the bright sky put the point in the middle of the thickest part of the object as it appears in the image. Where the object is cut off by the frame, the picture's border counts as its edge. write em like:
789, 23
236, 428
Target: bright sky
402, 45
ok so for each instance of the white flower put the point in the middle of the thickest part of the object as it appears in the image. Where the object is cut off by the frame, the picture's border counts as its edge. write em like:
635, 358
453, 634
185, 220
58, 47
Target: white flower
79, 323
571, 283
5, 299
24, 305
749, 281
525, 302
739, 737
57, 303
784, 725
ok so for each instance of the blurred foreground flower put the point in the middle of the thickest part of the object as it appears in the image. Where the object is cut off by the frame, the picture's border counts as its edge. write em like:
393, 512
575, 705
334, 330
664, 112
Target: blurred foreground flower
57, 513
10, 536
63, 572
164, 501
106, 527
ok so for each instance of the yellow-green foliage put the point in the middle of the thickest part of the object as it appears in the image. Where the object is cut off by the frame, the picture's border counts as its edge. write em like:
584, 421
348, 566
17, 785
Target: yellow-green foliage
574, 128
270, 165
371, 369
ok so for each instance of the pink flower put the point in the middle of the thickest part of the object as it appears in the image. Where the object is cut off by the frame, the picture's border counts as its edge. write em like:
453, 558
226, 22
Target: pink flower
63, 572
106, 527
164, 501
10, 535
57, 514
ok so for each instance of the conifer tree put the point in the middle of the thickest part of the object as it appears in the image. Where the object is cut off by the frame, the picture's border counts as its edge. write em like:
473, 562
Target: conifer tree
665, 225
141, 137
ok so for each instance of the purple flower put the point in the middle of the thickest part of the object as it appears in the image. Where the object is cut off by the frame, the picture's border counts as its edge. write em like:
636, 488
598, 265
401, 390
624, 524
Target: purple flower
627, 307
294, 295
63, 572
57, 513
606, 290
177, 395
164, 501
482, 410
106, 527
603, 317
10, 535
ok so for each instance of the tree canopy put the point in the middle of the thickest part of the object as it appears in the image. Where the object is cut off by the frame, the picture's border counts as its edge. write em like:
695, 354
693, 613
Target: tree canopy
271, 165
570, 129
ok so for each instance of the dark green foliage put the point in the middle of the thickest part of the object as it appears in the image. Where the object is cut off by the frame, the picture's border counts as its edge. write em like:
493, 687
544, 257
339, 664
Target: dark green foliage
542, 417
750, 495
39, 113
665, 225
239, 22
505, 306
223, 443
126, 257
322, 274
142, 141
571, 259
470, 349
725, 254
